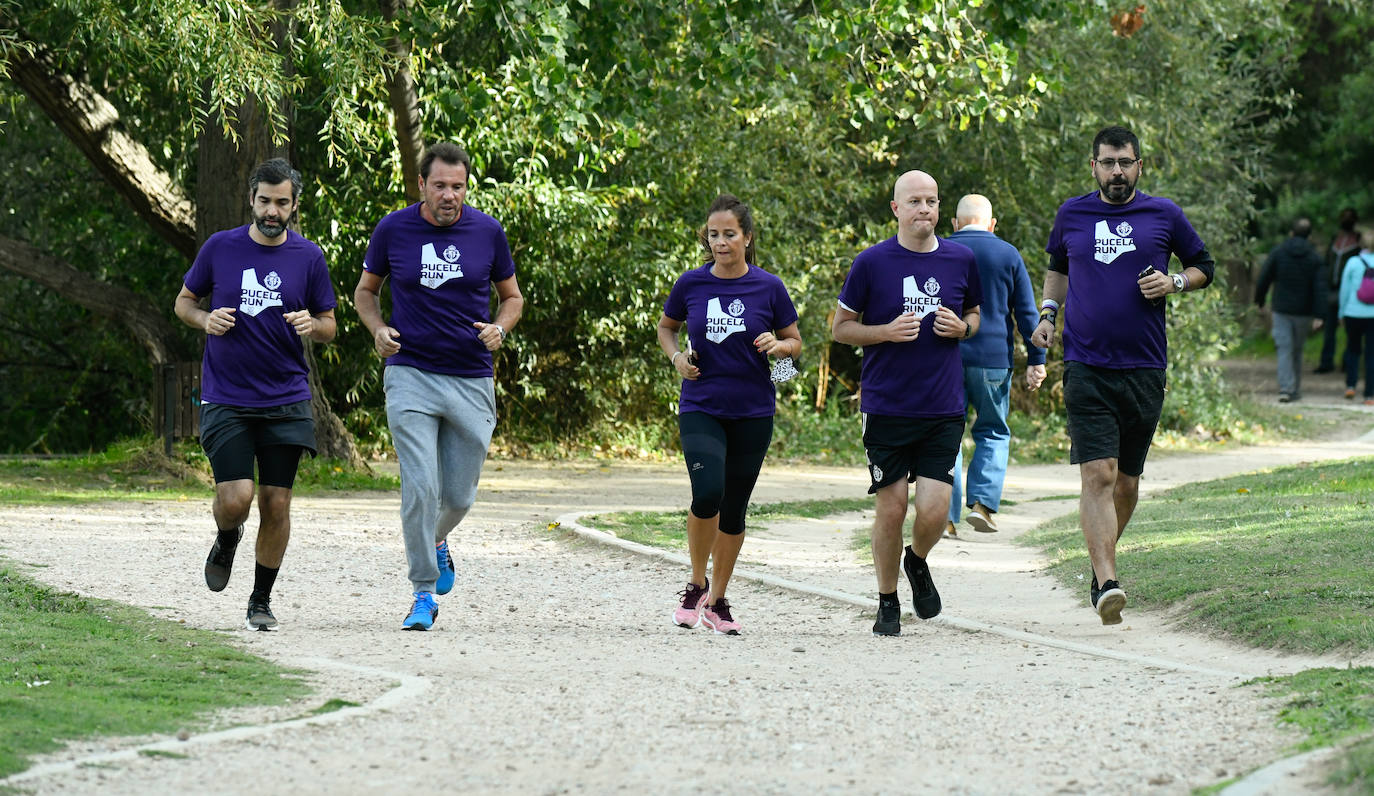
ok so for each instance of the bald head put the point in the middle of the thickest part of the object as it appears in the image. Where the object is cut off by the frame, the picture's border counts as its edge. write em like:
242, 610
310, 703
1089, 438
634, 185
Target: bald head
916, 204
912, 181
974, 209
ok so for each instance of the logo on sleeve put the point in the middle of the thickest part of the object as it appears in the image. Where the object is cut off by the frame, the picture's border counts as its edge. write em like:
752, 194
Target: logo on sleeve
720, 324
436, 270
254, 297
1110, 244
920, 300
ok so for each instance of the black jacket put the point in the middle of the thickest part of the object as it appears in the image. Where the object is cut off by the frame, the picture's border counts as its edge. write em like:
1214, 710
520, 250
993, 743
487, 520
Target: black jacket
1298, 276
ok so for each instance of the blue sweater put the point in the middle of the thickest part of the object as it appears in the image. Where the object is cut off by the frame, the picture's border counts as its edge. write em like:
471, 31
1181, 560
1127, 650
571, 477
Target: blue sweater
1351, 277
1006, 292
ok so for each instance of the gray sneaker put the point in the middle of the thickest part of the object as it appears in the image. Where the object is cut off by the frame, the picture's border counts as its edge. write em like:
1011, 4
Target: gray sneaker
260, 614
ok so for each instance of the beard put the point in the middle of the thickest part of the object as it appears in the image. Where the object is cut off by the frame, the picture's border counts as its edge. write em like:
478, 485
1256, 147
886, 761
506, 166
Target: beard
1117, 189
269, 226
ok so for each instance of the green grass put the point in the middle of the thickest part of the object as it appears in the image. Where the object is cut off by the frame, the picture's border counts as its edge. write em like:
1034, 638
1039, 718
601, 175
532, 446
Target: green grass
333, 705
138, 470
1275, 559
1279, 558
1333, 706
669, 528
73, 668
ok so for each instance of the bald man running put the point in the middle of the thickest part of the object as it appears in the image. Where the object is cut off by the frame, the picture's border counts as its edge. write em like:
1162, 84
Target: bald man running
909, 301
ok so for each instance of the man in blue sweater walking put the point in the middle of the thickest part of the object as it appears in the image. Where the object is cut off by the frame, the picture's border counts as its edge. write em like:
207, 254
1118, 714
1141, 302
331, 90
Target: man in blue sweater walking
1007, 296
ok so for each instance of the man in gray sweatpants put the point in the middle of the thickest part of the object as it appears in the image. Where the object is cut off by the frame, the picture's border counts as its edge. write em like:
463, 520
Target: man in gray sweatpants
443, 259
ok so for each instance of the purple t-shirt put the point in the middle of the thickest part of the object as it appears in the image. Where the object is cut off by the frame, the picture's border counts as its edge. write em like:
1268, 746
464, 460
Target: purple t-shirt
1107, 323
260, 361
723, 317
440, 285
924, 377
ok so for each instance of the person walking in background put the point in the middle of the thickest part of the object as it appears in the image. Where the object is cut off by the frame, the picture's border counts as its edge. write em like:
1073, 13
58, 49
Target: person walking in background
737, 315
909, 301
1108, 273
1298, 276
443, 258
268, 288
1357, 312
1344, 245
1008, 304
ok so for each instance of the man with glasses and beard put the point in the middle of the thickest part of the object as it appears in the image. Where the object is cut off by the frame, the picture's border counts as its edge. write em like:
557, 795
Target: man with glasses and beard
1109, 275
268, 287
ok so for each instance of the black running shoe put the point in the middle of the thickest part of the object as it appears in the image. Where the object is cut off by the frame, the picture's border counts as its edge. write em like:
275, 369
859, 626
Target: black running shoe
1094, 591
889, 619
220, 562
923, 594
260, 614
1110, 600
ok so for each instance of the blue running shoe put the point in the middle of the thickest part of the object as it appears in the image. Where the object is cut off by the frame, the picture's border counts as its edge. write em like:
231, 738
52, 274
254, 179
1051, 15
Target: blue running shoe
422, 613
446, 574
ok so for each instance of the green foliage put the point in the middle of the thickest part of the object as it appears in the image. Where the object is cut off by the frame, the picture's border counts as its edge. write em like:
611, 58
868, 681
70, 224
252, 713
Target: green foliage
73, 668
601, 131
1237, 556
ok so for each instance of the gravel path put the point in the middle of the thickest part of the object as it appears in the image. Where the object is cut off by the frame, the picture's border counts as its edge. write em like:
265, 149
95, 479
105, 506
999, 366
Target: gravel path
553, 667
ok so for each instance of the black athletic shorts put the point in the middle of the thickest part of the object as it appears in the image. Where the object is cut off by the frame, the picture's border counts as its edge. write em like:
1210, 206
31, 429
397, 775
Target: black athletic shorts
275, 436
907, 447
1112, 413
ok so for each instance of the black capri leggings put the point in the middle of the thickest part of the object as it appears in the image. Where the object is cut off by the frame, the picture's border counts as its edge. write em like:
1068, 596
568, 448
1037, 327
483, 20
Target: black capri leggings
724, 457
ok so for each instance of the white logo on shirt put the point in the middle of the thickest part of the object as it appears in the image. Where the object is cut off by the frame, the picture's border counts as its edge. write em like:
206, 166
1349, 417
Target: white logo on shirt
720, 325
917, 301
1108, 246
254, 297
435, 271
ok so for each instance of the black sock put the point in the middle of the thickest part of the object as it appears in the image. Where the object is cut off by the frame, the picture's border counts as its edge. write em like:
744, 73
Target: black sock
888, 599
230, 538
263, 580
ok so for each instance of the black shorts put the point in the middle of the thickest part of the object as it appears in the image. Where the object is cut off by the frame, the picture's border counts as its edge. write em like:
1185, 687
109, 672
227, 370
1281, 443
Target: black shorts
234, 436
1112, 413
907, 447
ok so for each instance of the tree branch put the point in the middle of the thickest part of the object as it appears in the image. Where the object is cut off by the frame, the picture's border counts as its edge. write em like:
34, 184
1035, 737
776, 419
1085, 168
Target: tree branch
92, 123
148, 323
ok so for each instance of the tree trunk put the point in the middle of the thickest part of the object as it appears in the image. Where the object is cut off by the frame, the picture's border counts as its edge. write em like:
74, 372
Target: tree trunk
92, 124
226, 160
405, 107
147, 323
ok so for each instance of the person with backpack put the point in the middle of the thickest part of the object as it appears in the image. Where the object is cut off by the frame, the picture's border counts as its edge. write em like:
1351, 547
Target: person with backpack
1357, 313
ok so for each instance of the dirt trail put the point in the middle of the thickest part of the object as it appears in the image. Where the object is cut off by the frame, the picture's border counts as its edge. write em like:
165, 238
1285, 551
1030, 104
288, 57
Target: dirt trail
553, 666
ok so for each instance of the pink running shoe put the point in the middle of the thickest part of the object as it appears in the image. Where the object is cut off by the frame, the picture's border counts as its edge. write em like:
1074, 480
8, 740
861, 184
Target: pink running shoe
688, 614
717, 617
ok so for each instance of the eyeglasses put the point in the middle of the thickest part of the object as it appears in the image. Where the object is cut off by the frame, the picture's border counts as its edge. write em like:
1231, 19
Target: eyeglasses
1125, 163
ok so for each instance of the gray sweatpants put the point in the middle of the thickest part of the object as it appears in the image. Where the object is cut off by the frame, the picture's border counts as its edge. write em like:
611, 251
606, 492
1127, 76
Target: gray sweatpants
1290, 332
441, 426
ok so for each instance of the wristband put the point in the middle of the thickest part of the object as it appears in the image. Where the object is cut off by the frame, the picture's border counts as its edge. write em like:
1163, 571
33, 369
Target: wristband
1050, 314
673, 358
968, 330
1050, 304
